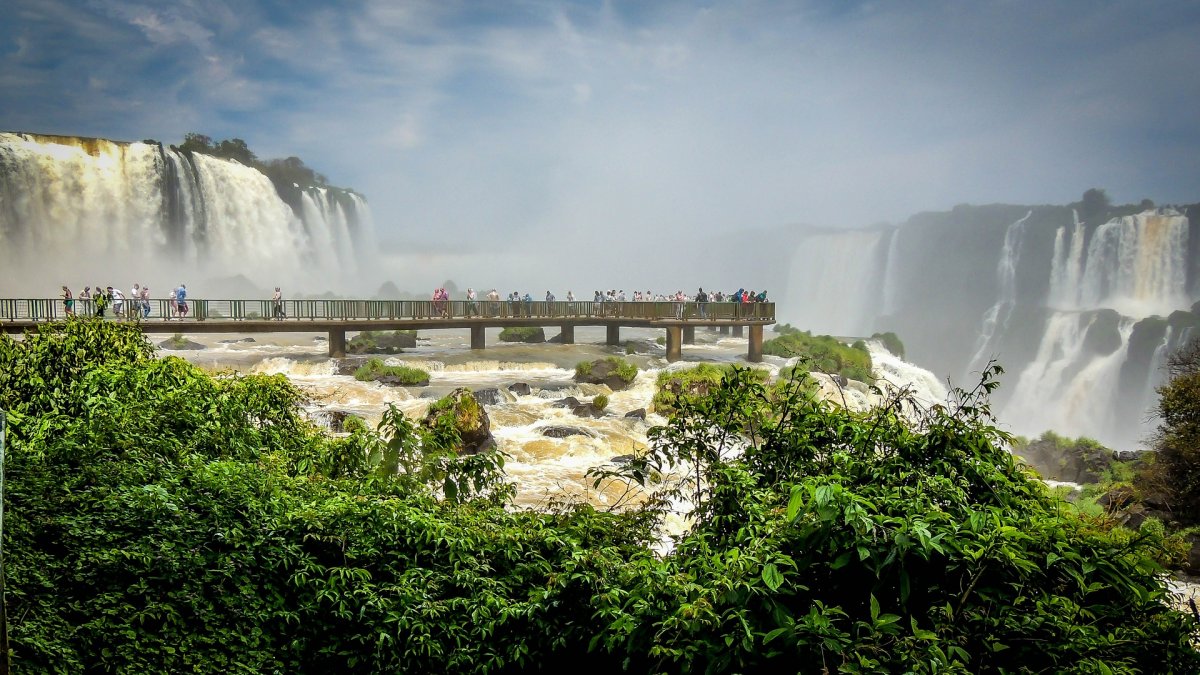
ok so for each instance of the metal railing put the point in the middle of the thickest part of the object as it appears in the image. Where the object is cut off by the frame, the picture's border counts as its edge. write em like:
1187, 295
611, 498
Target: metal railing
38, 309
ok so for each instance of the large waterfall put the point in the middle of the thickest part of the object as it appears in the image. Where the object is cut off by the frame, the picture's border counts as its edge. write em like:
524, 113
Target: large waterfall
84, 211
1081, 314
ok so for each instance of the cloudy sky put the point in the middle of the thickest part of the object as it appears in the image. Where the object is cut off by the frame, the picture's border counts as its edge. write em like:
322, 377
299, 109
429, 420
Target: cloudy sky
489, 125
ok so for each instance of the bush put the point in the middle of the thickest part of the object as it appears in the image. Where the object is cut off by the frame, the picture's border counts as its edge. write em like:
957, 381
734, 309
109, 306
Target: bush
1173, 470
600, 402
608, 366
823, 353
890, 342
696, 381
374, 369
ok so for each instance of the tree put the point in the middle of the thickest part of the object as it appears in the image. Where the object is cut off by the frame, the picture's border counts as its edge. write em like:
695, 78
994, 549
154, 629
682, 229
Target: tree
1174, 473
236, 149
194, 142
1095, 206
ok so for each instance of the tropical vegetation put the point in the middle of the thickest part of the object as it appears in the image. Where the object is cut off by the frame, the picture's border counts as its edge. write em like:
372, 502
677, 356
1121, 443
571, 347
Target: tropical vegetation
161, 519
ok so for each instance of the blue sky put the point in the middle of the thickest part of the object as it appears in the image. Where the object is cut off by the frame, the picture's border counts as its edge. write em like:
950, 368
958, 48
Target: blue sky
486, 123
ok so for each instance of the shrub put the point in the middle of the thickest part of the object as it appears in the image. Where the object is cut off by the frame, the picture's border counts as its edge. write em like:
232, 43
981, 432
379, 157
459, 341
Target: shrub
374, 369
890, 342
696, 381
1173, 470
825, 354
600, 402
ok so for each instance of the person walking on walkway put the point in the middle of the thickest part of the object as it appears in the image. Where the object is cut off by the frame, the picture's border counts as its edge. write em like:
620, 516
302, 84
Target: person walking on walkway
277, 305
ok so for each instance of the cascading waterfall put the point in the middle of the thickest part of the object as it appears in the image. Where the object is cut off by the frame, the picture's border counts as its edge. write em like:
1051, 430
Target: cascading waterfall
995, 321
837, 274
78, 210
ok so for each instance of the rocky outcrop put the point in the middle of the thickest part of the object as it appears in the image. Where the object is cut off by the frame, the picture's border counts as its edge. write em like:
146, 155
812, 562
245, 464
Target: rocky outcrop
520, 389
640, 414
179, 343
493, 396
530, 334
462, 412
564, 431
1080, 463
381, 342
614, 373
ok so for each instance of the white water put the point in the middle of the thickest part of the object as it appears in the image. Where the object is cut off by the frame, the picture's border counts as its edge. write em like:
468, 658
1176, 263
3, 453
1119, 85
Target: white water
79, 211
995, 320
836, 273
1135, 264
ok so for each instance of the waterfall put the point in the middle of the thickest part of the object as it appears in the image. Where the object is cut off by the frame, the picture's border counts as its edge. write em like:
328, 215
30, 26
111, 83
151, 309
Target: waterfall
1135, 264
891, 275
78, 210
995, 320
834, 281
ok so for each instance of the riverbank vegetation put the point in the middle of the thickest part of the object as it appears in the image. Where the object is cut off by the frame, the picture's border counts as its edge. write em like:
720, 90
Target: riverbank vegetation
822, 353
376, 369
699, 380
159, 519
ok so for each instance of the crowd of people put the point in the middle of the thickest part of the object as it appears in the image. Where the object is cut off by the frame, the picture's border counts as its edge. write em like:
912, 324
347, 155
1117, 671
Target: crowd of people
603, 302
134, 306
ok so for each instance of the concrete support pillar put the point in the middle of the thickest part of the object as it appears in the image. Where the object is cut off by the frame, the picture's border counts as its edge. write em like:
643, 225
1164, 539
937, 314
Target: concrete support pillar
477, 340
737, 331
689, 335
724, 330
674, 338
754, 352
568, 334
614, 334
337, 344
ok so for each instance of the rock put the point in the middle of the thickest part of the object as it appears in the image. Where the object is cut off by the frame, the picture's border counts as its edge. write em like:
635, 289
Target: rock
556, 340
640, 414
230, 342
381, 342
348, 366
393, 381
529, 334
179, 342
493, 396
588, 410
1079, 463
568, 402
563, 432
623, 459
468, 418
334, 419
520, 389
320, 338
603, 371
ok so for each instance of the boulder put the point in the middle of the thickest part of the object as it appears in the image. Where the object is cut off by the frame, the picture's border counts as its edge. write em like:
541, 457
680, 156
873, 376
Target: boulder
493, 396
179, 342
640, 414
564, 431
602, 371
334, 419
230, 342
529, 334
568, 402
588, 410
468, 418
393, 381
381, 342
1081, 463
348, 366
520, 389
623, 459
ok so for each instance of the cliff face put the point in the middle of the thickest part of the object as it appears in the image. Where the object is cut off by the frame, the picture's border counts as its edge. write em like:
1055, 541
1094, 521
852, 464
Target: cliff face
1079, 312
103, 205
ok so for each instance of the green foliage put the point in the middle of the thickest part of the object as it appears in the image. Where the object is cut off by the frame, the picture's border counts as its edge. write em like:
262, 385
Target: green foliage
699, 380
823, 353
626, 371
890, 342
867, 543
162, 520
374, 369
1173, 470
785, 329
523, 334
600, 401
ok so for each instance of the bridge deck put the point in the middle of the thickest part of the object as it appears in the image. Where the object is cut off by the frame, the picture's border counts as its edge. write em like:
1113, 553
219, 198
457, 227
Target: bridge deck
337, 317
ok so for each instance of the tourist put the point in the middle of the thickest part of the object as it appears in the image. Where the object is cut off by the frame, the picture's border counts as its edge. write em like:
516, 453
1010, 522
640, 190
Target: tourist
118, 299
181, 301
172, 307
472, 310
570, 302
493, 297
68, 301
528, 299
277, 305
100, 300
135, 305
679, 300
702, 303
145, 296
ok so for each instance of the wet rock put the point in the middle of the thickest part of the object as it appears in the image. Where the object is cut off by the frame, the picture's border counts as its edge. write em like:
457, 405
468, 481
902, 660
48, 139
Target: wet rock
520, 389
640, 414
348, 366
588, 410
230, 342
603, 371
528, 334
393, 381
320, 338
1081, 463
493, 396
623, 459
179, 342
564, 432
468, 418
568, 402
381, 342
334, 419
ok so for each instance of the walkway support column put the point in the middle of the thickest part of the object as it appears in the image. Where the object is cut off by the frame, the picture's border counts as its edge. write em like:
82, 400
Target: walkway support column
614, 334
337, 344
674, 338
477, 340
724, 330
754, 352
689, 335
737, 331
567, 332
